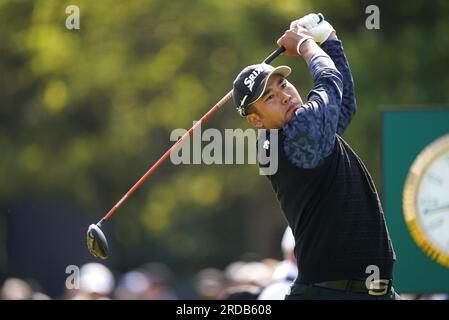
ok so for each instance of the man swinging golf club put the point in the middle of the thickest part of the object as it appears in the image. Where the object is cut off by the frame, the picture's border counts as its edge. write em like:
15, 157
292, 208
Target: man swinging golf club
324, 189
96, 240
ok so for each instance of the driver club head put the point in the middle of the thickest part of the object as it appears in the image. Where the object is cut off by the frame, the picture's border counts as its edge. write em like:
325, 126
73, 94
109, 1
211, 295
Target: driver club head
96, 242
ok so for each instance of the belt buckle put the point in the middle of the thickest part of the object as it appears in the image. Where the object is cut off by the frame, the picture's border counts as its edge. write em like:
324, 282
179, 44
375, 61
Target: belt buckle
377, 285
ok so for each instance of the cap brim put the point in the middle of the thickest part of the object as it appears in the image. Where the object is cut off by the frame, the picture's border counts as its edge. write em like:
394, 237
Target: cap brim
282, 70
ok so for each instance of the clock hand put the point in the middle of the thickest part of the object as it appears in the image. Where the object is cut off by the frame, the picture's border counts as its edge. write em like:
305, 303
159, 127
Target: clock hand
437, 209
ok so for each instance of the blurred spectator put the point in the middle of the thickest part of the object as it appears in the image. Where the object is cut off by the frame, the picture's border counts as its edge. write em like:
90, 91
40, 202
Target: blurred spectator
39, 296
96, 282
150, 282
242, 292
209, 284
161, 278
285, 273
432, 296
132, 285
16, 289
245, 280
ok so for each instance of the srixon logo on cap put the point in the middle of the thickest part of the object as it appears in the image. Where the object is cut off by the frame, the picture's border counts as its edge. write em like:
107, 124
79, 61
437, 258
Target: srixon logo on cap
249, 81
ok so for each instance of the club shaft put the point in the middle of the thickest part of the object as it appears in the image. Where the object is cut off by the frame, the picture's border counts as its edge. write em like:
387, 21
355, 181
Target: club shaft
167, 154
274, 55
220, 103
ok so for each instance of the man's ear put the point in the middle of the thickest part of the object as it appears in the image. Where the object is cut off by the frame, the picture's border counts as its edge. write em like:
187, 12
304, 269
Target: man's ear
255, 120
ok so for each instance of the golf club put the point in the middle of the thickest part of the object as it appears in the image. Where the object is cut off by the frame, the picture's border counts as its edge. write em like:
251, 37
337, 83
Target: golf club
96, 241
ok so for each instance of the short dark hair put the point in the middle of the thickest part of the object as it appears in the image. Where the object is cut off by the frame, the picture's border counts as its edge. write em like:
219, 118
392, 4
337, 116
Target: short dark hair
251, 109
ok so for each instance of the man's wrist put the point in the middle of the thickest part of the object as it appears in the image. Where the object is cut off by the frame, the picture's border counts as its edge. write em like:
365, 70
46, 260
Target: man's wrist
300, 43
332, 36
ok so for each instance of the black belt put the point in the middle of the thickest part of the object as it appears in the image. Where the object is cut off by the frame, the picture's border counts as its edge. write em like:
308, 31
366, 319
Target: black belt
375, 288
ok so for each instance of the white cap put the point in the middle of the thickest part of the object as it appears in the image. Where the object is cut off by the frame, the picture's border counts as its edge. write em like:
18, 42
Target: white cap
288, 241
244, 272
96, 278
15, 289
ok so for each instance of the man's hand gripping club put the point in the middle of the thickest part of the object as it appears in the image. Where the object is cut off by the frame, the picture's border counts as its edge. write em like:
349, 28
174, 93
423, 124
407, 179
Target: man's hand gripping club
319, 29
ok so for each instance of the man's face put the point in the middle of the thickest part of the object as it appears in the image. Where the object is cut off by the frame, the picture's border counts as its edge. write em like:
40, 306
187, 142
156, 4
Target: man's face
277, 105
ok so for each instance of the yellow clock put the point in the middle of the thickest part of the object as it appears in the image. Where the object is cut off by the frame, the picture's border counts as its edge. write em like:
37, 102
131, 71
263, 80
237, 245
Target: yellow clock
425, 200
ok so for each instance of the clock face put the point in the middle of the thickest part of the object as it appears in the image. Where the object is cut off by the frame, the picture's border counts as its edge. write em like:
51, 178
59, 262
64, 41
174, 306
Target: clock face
426, 200
433, 201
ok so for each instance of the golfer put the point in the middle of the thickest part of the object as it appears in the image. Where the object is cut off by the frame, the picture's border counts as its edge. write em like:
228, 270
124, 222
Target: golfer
343, 248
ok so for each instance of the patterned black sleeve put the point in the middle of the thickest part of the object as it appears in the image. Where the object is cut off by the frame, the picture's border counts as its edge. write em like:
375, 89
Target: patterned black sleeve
334, 49
310, 134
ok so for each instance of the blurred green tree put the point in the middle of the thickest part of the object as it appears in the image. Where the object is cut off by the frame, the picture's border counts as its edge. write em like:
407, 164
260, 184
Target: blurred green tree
84, 113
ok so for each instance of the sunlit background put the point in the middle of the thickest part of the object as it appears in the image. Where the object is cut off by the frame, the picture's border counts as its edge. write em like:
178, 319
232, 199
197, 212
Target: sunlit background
84, 113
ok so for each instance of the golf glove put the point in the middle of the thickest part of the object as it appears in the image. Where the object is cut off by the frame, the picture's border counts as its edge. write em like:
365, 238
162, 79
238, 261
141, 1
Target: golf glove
320, 31
309, 21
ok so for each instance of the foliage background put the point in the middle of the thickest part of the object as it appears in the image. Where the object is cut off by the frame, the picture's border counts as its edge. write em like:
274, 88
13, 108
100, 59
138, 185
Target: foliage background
84, 113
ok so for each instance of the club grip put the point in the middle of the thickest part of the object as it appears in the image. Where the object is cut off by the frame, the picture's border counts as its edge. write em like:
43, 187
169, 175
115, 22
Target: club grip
279, 50
274, 55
